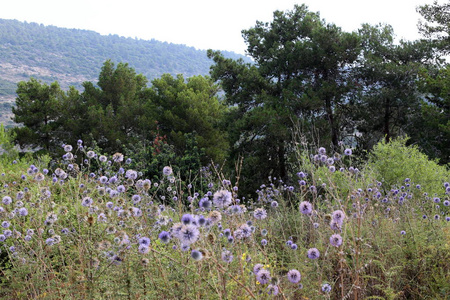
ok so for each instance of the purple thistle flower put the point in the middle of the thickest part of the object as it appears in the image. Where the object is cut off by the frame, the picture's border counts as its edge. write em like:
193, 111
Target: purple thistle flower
144, 241
264, 242
259, 213
87, 201
336, 240
257, 268
49, 241
23, 211
272, 289
402, 232
5, 224
222, 198
294, 246
301, 175
306, 208
294, 276
348, 151
227, 256
263, 276
164, 237
188, 234
338, 216
204, 203
187, 219
313, 253
143, 249
326, 288
7, 200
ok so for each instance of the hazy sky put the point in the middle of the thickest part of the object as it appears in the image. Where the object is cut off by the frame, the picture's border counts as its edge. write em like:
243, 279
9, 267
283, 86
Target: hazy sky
205, 24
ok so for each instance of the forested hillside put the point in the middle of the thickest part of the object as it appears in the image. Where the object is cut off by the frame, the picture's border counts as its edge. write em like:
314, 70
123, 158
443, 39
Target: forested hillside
72, 56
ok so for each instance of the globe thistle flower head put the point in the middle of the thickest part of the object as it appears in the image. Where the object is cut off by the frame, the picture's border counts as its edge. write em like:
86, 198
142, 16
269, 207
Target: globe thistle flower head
259, 213
246, 230
68, 148
87, 201
334, 225
188, 234
294, 247
167, 171
326, 288
348, 152
121, 189
196, 255
322, 151
227, 256
222, 198
263, 276
272, 289
187, 219
23, 212
164, 237
336, 240
117, 157
294, 276
263, 242
131, 174
306, 208
274, 204
338, 216
257, 268
90, 154
313, 253
50, 241
301, 175
204, 203
215, 216
5, 224
7, 200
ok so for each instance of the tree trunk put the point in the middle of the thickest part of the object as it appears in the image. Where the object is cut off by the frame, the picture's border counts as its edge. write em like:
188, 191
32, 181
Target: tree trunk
387, 114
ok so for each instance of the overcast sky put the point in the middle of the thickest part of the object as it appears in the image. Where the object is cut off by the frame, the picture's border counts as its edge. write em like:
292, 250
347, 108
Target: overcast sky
205, 24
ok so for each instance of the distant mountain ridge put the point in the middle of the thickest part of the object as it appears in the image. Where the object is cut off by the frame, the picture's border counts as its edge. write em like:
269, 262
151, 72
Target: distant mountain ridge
72, 56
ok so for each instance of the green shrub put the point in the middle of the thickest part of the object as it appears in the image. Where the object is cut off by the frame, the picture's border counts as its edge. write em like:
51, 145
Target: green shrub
394, 162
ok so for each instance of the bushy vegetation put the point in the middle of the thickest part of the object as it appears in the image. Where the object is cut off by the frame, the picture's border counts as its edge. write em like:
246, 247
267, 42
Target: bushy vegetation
100, 230
225, 195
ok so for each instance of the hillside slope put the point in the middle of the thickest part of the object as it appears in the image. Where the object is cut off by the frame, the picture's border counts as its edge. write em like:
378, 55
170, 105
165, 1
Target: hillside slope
72, 56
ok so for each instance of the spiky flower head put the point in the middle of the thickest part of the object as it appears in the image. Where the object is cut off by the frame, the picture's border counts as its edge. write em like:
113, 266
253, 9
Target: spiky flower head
294, 276
306, 208
222, 198
263, 276
336, 240
313, 253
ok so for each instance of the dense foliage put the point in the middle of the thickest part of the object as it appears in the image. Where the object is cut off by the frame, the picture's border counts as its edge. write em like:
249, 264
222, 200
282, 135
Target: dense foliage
310, 82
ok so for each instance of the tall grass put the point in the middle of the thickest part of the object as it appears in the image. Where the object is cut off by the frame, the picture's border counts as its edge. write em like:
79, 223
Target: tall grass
79, 231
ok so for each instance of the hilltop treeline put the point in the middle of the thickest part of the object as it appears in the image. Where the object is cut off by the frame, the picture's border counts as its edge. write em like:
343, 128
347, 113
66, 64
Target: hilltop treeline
310, 83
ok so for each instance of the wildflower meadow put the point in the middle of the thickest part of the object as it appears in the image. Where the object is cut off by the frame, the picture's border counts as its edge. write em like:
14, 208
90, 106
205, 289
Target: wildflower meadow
89, 226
